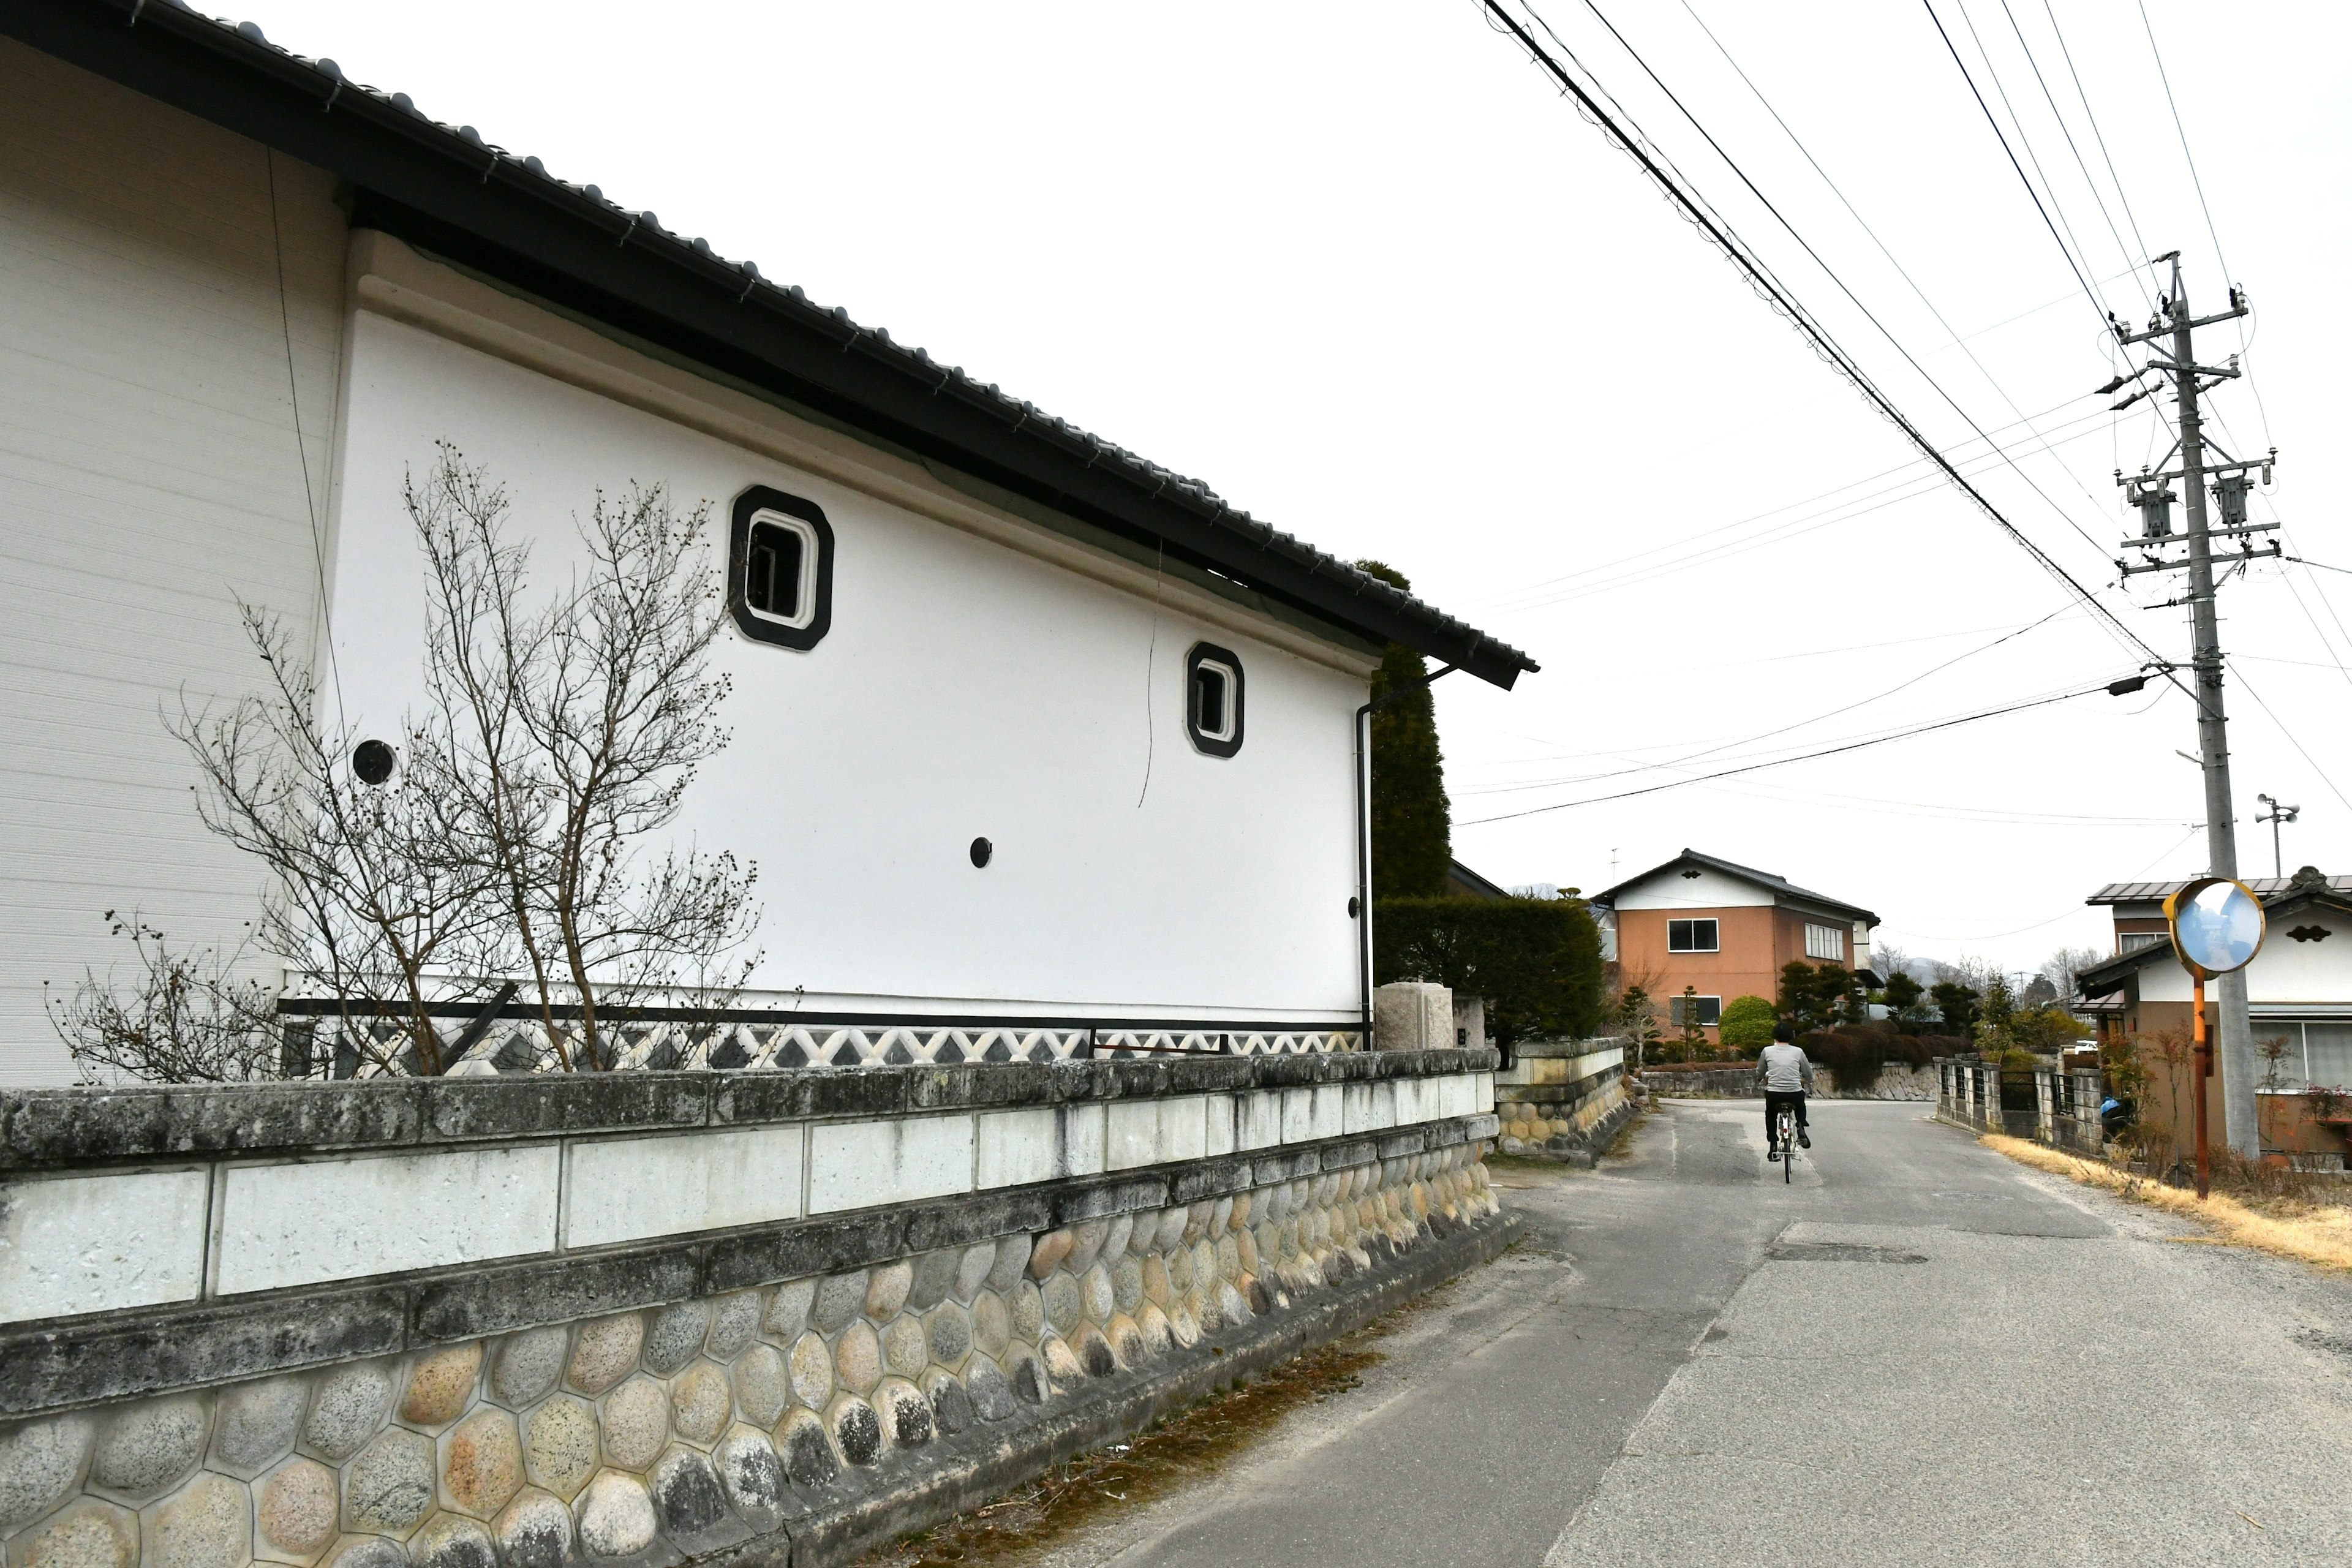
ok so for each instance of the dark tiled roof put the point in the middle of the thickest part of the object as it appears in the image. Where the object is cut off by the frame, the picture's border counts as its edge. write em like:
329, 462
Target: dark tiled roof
2264, 888
449, 190
1769, 880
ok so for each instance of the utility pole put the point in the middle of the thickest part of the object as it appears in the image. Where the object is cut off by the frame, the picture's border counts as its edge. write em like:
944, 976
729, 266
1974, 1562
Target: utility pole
2277, 815
2149, 491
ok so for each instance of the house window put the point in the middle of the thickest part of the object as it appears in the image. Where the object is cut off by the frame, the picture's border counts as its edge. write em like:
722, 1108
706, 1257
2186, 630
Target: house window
1693, 936
780, 569
2133, 941
1825, 943
1705, 1010
1212, 700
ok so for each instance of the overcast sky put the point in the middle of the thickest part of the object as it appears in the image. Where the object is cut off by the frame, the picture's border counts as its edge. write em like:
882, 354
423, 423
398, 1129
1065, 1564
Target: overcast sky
1362, 269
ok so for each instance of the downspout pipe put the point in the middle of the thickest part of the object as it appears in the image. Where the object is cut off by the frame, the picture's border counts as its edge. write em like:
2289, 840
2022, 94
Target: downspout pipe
1363, 736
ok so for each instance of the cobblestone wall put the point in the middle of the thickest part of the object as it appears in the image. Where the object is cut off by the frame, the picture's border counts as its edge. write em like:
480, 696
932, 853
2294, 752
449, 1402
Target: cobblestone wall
690, 1426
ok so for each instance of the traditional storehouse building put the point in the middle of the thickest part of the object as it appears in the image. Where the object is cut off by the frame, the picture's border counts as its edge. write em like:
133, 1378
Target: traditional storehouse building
1034, 741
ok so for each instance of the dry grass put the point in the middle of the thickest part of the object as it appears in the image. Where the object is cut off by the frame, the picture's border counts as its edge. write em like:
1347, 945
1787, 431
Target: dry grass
2319, 1234
1197, 1442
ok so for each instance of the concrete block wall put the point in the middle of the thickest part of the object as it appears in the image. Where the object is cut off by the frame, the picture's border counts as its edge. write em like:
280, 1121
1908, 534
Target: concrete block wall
526, 1323
1562, 1099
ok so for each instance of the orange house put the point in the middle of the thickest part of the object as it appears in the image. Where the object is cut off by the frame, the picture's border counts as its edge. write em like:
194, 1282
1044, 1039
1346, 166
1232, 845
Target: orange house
1723, 930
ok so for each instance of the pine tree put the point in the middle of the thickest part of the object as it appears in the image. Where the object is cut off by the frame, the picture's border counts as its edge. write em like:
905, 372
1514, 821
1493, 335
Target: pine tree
1412, 821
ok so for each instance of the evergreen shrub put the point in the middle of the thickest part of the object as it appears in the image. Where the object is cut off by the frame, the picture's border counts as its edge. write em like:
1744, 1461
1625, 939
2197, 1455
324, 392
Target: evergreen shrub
1747, 1024
1536, 962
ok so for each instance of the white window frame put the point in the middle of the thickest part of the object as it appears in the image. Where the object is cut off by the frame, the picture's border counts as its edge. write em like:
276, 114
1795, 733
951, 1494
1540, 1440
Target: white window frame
1714, 931
1824, 943
804, 614
1233, 679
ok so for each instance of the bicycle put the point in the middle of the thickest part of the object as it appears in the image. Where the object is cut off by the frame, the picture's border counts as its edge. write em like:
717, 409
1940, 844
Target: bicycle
1784, 1131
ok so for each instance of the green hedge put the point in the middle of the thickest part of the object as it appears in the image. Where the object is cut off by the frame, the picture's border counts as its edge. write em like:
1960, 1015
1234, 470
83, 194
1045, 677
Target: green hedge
1536, 960
1748, 1022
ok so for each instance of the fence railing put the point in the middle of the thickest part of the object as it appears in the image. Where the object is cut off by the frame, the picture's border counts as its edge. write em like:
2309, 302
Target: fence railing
2058, 1106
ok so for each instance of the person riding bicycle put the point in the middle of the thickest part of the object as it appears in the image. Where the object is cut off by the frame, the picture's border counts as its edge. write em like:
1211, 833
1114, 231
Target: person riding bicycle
1781, 1068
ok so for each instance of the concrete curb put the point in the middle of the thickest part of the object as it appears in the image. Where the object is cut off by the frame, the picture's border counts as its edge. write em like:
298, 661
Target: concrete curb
903, 1494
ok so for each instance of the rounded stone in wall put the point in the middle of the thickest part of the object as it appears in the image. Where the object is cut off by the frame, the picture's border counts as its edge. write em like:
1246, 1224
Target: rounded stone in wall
752, 1473
533, 1531
441, 1383
1097, 1299
788, 1309
254, 1424
676, 1335
85, 1533
701, 1402
1012, 1259
1153, 1324
992, 1394
734, 1319
857, 1358
1127, 1284
972, 1270
1085, 1245
481, 1463
388, 1487
1126, 1339
1095, 1354
1229, 1258
1232, 1307
1221, 1217
951, 1407
38, 1463
806, 1448
1144, 1238
1184, 1326
452, 1541
1026, 1373
147, 1449
1153, 1273
948, 1329
348, 1405
1269, 1240
1196, 1220
528, 1366
762, 1385
1200, 1301
887, 1288
856, 1430
1179, 1270
1062, 1364
691, 1506
559, 1446
992, 1323
811, 1371
1169, 1230
905, 1352
296, 1511
1122, 1231
839, 1297
1028, 1312
614, 1518
368, 1552
1245, 1253
605, 1351
208, 1523
904, 1412
1243, 1203
1047, 1255
635, 1419
1062, 1302
935, 1276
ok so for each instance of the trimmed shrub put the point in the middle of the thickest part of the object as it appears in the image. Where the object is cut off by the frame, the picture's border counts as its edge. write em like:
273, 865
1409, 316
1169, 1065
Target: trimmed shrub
1536, 960
1748, 1023
1854, 1053
1411, 828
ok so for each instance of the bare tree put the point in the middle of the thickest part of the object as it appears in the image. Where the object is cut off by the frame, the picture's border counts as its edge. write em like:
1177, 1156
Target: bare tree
518, 829
2065, 965
574, 731
191, 1017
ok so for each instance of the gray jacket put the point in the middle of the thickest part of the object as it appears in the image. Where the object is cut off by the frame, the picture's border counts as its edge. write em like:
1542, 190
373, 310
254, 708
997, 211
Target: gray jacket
1783, 1068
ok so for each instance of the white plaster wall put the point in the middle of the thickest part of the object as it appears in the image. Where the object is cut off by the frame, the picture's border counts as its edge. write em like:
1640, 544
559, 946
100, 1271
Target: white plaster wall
2284, 971
965, 690
149, 477
1710, 890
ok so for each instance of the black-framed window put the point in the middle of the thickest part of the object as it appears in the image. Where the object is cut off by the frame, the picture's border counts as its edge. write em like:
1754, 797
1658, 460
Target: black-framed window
1694, 936
1705, 1010
780, 568
1212, 700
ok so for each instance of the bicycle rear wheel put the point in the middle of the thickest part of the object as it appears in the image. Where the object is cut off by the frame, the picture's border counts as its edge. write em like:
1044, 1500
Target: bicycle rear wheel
1788, 1145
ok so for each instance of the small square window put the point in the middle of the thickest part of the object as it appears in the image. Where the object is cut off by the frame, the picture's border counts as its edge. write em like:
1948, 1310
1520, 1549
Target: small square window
1212, 700
1705, 1010
1693, 936
780, 569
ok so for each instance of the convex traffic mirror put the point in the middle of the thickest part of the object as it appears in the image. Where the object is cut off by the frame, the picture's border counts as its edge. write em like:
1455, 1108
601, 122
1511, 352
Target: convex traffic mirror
2217, 924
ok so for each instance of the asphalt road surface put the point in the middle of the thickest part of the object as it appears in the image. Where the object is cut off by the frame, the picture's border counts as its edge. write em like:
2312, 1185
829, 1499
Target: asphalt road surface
1918, 1353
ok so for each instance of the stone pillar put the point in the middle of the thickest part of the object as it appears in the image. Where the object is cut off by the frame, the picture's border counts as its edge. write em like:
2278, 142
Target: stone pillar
2045, 1103
1470, 1023
1412, 1015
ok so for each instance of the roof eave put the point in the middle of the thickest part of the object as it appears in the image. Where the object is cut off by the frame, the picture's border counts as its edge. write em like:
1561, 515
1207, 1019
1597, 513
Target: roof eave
458, 196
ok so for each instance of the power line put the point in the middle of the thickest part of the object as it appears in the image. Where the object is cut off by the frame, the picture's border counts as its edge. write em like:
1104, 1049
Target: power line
2064, 130
1804, 757
2091, 115
2290, 734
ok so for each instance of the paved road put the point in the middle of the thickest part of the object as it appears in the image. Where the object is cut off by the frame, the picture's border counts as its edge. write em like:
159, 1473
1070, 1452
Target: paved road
1919, 1352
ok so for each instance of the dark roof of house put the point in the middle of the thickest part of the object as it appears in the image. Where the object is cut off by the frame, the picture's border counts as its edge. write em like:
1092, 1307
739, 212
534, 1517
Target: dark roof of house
1771, 881
2264, 888
445, 190
2279, 896
1469, 881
